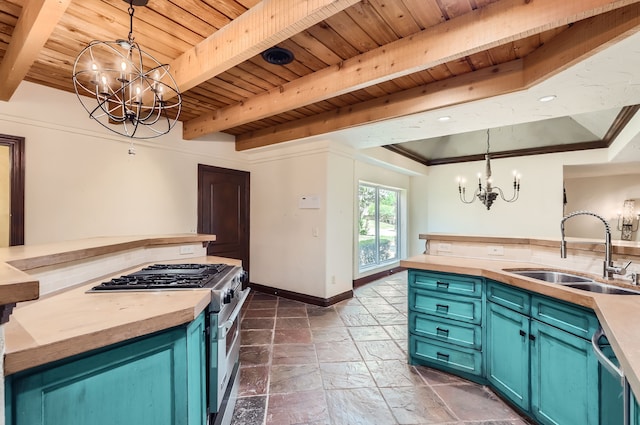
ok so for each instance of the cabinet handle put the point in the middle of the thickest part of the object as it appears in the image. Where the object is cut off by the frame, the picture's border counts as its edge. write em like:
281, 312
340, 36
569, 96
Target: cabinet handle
442, 356
443, 285
522, 333
602, 358
442, 332
441, 308
532, 337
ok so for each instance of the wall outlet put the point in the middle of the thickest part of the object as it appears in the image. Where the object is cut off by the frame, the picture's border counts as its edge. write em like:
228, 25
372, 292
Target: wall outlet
495, 250
333, 280
444, 247
187, 249
315, 232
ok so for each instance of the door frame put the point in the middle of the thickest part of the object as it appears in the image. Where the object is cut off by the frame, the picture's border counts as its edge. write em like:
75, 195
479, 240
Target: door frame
17, 186
202, 168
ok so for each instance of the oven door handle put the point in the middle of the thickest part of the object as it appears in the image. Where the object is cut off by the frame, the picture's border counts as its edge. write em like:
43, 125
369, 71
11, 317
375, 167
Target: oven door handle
224, 328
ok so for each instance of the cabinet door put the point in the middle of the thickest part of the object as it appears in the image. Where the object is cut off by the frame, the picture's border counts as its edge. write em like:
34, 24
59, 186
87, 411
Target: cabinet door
141, 382
196, 372
508, 353
564, 377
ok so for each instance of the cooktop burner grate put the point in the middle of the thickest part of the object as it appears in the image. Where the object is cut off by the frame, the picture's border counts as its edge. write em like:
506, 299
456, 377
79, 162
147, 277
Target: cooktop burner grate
168, 276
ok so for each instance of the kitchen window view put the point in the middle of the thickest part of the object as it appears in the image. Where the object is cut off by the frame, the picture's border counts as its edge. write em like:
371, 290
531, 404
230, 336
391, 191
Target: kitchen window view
378, 224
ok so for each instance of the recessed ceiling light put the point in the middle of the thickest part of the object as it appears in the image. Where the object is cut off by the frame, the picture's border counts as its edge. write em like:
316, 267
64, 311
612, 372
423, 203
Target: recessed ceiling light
547, 98
445, 118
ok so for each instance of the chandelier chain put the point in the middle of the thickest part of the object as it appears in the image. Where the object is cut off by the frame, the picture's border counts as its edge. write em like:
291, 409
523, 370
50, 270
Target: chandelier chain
488, 145
131, 12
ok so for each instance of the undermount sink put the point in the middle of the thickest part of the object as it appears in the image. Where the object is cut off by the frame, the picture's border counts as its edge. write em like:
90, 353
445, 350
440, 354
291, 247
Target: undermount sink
551, 276
602, 288
574, 281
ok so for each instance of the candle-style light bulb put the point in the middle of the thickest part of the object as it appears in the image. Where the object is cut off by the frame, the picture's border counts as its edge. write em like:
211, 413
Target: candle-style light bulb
105, 86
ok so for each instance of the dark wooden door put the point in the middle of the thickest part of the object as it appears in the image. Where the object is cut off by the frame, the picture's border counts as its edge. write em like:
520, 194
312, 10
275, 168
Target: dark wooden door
223, 210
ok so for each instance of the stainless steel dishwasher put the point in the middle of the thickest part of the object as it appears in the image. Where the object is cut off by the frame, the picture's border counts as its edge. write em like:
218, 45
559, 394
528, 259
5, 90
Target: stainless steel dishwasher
615, 371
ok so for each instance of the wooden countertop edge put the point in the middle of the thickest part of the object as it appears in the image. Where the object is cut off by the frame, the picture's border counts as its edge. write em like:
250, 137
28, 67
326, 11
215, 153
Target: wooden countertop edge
619, 248
54, 254
613, 311
16, 286
32, 356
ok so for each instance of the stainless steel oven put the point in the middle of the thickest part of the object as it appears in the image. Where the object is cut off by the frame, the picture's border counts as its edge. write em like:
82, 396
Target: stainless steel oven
223, 324
224, 329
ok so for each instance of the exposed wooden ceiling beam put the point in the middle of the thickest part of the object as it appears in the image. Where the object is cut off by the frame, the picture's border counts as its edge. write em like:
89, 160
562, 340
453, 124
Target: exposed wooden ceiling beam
263, 26
482, 29
35, 24
575, 44
464, 88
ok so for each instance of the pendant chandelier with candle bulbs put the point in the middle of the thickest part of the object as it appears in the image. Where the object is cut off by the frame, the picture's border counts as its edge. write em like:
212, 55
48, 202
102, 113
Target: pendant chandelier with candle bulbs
488, 193
126, 89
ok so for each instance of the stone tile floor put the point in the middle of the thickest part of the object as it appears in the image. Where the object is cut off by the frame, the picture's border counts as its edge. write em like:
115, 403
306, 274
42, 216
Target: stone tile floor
347, 365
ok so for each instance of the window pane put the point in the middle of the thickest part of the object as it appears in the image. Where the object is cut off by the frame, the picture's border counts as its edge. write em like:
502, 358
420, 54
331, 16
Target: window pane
388, 224
378, 224
367, 226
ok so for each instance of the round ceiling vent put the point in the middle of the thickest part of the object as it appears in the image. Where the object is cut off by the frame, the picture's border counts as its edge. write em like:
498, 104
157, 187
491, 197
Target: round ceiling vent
277, 56
137, 2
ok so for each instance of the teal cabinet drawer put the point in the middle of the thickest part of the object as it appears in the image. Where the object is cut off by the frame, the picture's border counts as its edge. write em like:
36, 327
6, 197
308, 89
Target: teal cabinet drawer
446, 331
447, 283
425, 349
513, 298
570, 318
447, 306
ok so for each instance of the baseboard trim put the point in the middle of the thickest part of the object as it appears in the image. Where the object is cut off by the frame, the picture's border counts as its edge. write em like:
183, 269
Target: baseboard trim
309, 299
368, 279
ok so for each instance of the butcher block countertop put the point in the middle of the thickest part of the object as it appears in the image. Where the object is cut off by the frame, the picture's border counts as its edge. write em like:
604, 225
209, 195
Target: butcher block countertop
619, 315
27, 257
73, 321
17, 285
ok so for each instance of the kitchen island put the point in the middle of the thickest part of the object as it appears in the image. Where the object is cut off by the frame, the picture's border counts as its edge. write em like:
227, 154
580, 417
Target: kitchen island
69, 328
617, 314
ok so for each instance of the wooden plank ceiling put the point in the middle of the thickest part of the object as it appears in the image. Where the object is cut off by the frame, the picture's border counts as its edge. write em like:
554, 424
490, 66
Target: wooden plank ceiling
355, 61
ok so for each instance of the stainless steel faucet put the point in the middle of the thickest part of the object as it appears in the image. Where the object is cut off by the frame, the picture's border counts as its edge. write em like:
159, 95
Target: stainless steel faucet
608, 269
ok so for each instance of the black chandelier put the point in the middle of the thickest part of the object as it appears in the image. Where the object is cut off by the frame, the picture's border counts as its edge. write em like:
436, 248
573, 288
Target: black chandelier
488, 193
126, 89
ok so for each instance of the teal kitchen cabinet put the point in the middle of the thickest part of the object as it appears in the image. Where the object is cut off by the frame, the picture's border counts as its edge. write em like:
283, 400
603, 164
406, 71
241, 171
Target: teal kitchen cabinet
564, 377
156, 380
538, 356
508, 353
445, 322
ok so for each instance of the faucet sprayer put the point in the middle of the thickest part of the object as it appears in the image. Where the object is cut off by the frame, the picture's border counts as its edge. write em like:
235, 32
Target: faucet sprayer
608, 269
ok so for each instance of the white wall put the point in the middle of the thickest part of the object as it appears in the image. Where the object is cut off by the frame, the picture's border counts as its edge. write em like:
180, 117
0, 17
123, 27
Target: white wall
603, 195
81, 182
339, 223
537, 213
285, 254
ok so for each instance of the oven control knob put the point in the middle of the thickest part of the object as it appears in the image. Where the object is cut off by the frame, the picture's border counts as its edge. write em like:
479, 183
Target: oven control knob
228, 295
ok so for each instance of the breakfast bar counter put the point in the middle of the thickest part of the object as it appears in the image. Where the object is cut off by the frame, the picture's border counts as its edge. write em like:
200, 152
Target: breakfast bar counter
619, 315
